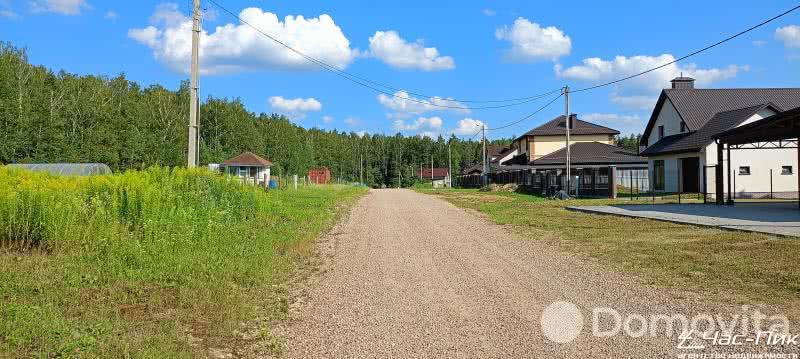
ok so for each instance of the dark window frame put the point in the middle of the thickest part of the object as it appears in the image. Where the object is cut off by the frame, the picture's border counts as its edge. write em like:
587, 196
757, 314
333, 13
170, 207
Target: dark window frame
660, 132
683, 126
744, 171
659, 175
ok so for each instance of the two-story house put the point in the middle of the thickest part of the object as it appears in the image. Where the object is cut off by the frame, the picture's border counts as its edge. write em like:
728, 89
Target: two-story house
679, 146
551, 137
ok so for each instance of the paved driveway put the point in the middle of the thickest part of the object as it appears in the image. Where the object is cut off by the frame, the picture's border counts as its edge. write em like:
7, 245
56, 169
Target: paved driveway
773, 218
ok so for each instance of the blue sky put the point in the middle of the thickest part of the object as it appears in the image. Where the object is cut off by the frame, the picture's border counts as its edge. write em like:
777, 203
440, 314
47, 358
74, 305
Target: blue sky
468, 50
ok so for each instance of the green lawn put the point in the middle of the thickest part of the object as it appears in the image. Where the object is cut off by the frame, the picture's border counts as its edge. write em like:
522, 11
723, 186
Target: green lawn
143, 264
727, 266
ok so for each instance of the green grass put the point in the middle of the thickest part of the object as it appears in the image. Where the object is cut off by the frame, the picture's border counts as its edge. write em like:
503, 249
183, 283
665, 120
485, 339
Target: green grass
142, 263
722, 265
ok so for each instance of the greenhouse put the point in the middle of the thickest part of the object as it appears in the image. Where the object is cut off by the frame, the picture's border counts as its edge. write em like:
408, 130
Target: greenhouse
66, 169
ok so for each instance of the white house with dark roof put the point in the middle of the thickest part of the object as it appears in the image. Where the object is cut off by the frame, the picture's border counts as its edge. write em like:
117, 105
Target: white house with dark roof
679, 145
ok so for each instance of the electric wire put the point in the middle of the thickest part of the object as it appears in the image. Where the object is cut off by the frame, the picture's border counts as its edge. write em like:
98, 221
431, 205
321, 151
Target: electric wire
372, 84
729, 38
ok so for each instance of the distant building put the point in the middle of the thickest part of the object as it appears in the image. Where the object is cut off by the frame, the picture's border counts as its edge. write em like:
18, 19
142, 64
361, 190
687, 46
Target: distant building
440, 177
66, 169
320, 175
248, 166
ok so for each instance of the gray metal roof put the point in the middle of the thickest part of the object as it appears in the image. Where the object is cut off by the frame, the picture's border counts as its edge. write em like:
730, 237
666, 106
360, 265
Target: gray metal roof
65, 169
698, 106
694, 141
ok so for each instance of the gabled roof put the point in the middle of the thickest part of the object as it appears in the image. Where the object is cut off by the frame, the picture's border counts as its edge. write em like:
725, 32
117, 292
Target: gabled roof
437, 172
247, 159
698, 106
781, 126
587, 153
496, 150
694, 141
558, 126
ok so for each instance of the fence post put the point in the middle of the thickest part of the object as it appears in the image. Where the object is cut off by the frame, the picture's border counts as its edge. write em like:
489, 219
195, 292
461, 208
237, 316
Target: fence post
770, 184
705, 184
612, 182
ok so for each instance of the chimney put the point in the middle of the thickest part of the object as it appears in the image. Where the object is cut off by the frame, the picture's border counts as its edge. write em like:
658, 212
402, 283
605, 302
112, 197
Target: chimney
682, 83
572, 118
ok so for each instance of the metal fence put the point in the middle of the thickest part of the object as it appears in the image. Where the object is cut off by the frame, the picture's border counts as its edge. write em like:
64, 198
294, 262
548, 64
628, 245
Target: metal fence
584, 183
766, 184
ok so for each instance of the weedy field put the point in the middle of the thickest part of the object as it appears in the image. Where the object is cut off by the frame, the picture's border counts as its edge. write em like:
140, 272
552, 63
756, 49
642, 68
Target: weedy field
154, 263
732, 267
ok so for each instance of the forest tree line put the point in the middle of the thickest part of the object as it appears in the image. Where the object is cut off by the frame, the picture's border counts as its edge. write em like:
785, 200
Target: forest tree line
49, 117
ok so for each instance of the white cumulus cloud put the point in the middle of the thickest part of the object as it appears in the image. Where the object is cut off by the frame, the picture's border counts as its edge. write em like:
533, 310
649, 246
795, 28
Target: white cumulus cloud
423, 126
403, 105
392, 49
468, 127
64, 7
295, 107
789, 35
327, 119
531, 42
111, 15
635, 92
625, 124
234, 48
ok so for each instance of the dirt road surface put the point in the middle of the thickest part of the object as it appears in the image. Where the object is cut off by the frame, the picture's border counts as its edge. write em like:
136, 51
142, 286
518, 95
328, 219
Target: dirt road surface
410, 275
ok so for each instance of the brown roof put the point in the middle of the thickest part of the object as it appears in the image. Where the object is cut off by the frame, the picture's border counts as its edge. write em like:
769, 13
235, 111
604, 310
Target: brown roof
496, 150
437, 173
698, 106
558, 126
247, 159
694, 141
588, 153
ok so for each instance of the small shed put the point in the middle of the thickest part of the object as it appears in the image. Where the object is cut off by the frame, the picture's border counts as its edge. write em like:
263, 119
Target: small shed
320, 175
248, 166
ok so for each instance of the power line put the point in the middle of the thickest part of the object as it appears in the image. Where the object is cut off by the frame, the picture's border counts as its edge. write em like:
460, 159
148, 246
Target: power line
528, 116
372, 84
693, 53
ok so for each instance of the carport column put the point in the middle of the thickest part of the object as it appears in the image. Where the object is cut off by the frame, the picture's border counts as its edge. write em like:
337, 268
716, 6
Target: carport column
720, 176
612, 182
730, 176
798, 176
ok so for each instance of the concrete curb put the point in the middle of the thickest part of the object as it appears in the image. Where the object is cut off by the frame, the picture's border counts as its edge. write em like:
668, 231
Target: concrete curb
677, 221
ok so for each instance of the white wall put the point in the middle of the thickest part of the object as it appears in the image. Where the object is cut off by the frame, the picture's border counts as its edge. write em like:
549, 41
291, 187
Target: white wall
669, 118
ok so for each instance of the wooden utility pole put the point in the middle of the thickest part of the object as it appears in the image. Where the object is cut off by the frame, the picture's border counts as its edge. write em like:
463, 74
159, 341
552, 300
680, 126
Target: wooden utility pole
485, 171
566, 113
449, 167
192, 152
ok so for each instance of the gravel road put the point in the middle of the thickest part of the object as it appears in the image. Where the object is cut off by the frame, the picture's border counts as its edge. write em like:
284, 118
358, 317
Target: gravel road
410, 275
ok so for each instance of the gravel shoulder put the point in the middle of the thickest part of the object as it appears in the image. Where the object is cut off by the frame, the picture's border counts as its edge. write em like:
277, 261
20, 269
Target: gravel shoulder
410, 275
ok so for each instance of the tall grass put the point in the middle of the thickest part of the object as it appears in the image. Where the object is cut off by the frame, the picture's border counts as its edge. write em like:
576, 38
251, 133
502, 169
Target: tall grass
140, 263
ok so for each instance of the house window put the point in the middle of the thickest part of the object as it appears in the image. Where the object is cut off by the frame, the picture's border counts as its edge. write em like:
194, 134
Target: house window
744, 170
683, 127
253, 172
786, 170
658, 175
242, 171
660, 132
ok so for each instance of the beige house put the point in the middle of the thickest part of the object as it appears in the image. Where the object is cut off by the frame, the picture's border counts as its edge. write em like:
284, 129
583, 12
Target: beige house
551, 137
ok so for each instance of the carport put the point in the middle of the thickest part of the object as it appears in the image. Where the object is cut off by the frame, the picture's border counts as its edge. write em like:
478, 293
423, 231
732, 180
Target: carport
778, 131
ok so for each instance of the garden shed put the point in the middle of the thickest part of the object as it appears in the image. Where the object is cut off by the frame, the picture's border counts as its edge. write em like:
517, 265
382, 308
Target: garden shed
250, 167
